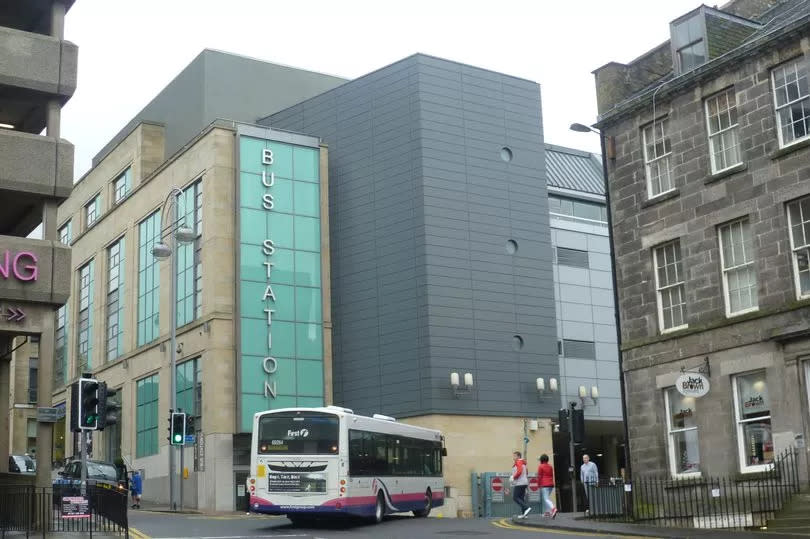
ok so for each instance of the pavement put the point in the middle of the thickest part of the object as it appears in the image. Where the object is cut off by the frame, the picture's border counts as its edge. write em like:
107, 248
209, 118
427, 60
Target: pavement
575, 522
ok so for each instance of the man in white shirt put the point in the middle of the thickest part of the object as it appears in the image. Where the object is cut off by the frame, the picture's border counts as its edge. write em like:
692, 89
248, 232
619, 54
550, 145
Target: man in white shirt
589, 475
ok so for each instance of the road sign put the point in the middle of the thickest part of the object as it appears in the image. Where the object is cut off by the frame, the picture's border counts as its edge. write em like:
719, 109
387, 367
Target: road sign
497, 489
534, 489
50, 415
189, 438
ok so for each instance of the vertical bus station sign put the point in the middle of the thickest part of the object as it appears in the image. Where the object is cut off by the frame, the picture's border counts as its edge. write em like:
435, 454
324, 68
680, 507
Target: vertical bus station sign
280, 293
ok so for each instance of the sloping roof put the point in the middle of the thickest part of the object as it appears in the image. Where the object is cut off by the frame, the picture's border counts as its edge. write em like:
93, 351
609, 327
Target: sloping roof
574, 169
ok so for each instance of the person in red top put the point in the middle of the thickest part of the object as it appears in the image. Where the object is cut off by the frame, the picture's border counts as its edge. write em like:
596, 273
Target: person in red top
545, 476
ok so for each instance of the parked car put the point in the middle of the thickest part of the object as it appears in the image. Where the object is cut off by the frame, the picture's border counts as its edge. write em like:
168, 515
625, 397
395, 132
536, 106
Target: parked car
21, 464
99, 473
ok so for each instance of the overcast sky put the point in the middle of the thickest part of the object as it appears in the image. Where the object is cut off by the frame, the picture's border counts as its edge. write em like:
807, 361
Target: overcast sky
130, 49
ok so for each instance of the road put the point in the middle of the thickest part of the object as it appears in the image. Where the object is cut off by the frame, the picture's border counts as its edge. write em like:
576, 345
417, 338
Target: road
145, 524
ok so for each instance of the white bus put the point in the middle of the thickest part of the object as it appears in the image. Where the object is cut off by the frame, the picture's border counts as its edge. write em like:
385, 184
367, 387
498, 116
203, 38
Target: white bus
307, 462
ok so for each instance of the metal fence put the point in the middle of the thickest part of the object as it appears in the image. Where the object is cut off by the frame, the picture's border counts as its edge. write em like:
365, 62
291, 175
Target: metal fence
742, 501
37, 511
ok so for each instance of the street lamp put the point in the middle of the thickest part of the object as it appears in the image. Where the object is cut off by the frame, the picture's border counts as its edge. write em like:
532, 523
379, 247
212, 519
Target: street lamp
608, 147
174, 233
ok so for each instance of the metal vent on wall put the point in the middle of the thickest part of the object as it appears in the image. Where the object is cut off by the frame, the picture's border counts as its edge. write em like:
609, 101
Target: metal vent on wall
572, 257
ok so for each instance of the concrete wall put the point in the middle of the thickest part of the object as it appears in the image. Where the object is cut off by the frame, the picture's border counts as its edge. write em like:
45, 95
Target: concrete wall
483, 444
54, 72
422, 281
701, 202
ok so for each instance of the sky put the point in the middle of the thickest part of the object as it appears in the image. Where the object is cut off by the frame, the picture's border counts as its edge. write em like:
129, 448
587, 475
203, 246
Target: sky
130, 49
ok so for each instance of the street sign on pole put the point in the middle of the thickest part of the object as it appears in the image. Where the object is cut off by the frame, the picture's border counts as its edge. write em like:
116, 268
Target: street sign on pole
189, 438
49, 415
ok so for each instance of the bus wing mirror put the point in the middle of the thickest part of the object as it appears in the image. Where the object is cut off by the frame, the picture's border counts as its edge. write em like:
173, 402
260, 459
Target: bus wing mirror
444, 451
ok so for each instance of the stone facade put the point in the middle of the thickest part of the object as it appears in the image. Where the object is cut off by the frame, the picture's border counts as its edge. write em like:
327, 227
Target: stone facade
773, 337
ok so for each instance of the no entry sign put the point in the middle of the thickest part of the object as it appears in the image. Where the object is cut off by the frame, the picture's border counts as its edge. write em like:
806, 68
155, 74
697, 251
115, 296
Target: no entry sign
497, 489
534, 489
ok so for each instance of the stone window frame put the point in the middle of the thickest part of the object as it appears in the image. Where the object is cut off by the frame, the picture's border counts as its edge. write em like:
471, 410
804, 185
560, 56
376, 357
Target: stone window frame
739, 423
659, 161
747, 264
801, 251
115, 299
91, 216
66, 232
800, 65
671, 431
732, 128
122, 186
678, 283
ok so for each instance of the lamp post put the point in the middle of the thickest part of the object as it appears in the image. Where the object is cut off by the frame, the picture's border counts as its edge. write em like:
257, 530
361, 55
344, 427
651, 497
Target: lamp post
161, 251
603, 139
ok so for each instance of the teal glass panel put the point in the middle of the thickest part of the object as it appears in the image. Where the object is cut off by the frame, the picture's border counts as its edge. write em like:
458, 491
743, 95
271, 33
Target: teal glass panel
282, 192
310, 402
252, 300
251, 191
251, 264
282, 159
284, 304
307, 268
307, 234
253, 375
283, 266
310, 378
307, 199
283, 339
308, 341
283, 401
305, 164
250, 405
254, 336
250, 154
308, 305
253, 227
280, 229
285, 377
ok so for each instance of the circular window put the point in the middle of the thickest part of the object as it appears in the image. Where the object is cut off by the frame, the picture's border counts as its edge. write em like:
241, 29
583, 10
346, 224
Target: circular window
506, 154
517, 342
511, 247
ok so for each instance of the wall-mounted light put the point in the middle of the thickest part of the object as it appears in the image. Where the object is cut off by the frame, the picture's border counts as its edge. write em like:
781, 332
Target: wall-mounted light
546, 391
455, 383
583, 394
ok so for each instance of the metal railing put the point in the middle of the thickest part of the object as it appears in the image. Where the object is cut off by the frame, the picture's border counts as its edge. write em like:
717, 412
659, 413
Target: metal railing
741, 501
37, 511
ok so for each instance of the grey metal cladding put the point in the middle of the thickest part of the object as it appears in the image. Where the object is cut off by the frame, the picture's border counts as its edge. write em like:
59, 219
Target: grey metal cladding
422, 206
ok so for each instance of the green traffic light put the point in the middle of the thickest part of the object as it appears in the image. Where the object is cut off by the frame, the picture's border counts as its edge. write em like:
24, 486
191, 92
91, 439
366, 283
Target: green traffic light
178, 438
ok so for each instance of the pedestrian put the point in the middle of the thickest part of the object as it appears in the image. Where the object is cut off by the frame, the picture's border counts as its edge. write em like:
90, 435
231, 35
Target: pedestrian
589, 475
520, 480
136, 488
545, 476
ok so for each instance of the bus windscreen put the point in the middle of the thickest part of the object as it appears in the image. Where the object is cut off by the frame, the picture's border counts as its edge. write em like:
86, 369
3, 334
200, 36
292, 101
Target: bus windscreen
298, 433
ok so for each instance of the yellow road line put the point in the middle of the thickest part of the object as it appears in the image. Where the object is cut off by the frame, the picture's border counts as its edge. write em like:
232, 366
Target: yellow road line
138, 533
509, 525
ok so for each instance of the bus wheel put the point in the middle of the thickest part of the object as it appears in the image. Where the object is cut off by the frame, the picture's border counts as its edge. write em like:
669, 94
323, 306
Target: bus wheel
379, 509
428, 505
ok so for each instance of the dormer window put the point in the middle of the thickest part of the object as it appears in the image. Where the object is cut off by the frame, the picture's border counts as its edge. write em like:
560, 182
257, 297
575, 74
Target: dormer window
688, 43
706, 33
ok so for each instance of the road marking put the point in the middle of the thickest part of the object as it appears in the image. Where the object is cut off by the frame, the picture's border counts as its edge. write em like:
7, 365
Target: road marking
243, 536
138, 533
506, 524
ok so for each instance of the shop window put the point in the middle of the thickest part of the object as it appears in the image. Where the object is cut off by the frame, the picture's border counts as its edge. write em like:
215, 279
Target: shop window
753, 414
684, 450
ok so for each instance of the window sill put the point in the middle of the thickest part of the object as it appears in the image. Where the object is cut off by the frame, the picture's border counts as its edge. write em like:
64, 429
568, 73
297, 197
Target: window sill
674, 193
674, 330
786, 150
741, 313
726, 173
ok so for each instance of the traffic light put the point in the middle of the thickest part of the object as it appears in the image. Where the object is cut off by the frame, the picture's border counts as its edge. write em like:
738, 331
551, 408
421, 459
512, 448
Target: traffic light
177, 435
109, 406
88, 404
